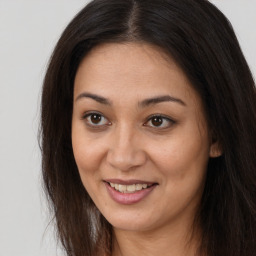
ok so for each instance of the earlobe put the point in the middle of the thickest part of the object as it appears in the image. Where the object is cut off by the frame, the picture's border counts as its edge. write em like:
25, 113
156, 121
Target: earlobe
215, 149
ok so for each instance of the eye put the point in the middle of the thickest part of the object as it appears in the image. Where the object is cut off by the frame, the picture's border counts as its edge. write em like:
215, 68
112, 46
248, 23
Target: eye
159, 121
95, 119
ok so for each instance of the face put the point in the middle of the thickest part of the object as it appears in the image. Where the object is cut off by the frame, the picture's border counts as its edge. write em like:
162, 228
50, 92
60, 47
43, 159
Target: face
139, 136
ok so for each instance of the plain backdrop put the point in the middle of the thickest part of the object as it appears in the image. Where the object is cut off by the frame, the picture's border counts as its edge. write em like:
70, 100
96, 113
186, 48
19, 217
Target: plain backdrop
29, 30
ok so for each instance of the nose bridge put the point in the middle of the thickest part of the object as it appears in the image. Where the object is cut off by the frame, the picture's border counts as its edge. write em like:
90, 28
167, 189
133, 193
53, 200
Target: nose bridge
125, 152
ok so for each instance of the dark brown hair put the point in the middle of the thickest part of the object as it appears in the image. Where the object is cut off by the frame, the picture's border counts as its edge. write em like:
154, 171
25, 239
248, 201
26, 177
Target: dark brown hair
201, 40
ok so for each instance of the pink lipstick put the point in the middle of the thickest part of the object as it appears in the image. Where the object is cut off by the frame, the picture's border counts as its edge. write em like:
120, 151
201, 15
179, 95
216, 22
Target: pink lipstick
129, 191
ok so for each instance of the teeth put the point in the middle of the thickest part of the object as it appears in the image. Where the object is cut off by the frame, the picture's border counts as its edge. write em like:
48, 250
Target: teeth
122, 188
131, 188
128, 188
138, 186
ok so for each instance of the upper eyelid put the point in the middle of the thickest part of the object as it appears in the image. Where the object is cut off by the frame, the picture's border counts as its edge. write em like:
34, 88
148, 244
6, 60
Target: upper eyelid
88, 113
94, 126
170, 121
162, 116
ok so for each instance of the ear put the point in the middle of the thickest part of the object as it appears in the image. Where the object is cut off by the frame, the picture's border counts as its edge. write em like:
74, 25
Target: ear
215, 149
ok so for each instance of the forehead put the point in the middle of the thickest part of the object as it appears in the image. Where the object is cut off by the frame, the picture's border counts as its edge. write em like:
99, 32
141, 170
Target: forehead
131, 70
137, 53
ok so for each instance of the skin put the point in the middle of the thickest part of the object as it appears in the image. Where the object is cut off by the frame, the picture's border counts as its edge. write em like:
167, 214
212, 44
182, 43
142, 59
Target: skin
127, 144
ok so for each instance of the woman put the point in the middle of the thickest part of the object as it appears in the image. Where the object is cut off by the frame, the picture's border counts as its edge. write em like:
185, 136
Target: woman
148, 132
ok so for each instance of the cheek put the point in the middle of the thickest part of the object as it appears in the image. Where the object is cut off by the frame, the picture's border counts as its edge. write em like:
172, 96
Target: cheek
88, 154
88, 157
182, 166
182, 160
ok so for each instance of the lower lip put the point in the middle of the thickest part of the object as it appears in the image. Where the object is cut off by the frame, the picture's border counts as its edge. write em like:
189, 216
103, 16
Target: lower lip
128, 198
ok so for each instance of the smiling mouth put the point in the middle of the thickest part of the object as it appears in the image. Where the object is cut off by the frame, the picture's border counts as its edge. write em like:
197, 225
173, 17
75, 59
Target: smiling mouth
129, 192
131, 186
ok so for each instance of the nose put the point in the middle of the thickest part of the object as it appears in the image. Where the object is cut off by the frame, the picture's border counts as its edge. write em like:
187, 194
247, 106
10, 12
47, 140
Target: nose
125, 151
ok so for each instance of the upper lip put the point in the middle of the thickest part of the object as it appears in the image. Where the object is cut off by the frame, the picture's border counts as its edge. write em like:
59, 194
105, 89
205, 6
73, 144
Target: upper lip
129, 182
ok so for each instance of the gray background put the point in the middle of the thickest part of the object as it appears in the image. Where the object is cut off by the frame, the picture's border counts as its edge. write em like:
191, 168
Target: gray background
29, 30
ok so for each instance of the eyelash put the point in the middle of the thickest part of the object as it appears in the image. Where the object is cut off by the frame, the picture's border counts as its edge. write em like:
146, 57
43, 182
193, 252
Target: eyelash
164, 118
86, 116
161, 117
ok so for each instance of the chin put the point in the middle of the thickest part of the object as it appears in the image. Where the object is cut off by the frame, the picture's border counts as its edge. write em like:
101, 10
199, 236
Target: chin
131, 222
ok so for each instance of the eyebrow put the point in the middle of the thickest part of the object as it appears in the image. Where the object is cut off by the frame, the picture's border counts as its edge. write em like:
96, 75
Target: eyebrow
95, 97
142, 104
160, 99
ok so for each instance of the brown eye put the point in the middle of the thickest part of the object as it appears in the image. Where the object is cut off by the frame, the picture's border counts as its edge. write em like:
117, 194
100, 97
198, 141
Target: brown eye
96, 120
159, 121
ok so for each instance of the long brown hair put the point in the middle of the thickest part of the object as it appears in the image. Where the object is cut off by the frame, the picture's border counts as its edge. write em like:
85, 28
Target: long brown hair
201, 40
